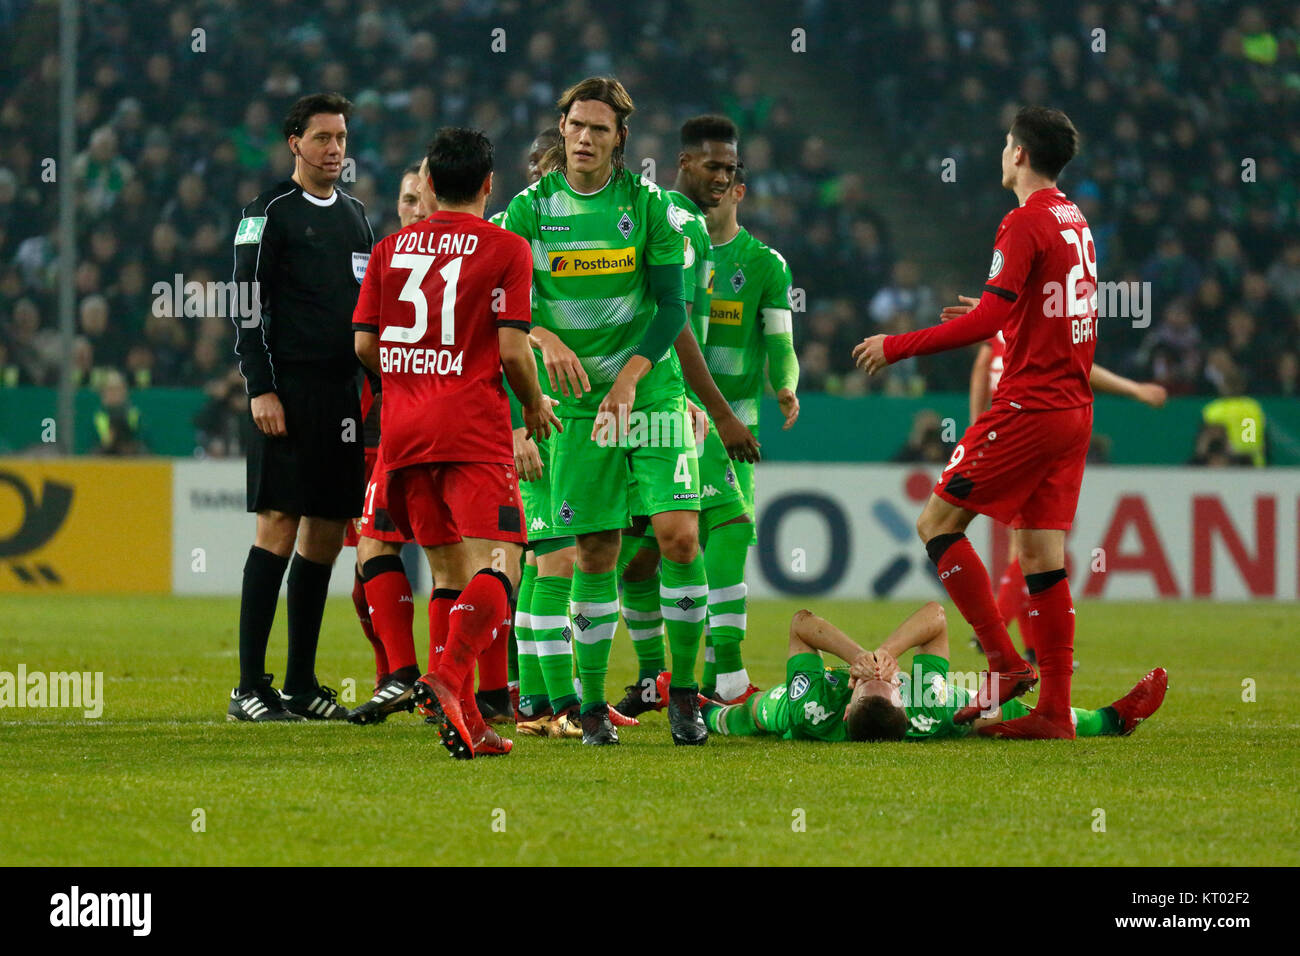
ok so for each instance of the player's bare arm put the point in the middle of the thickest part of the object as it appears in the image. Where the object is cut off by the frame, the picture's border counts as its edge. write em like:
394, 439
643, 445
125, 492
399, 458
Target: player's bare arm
366, 345
617, 405
1148, 393
563, 367
810, 633
925, 629
521, 373
738, 440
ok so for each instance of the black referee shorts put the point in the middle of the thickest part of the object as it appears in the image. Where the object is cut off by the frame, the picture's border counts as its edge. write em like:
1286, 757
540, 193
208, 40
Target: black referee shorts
318, 469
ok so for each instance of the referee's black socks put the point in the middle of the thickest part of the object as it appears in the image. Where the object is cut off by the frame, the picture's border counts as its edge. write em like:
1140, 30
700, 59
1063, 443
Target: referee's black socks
263, 572
309, 584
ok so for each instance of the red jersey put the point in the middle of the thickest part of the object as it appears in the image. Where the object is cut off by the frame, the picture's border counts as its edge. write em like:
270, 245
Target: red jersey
1045, 272
436, 292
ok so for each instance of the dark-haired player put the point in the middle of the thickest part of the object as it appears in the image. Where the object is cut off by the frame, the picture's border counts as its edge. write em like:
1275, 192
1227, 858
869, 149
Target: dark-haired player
986, 372
872, 700
444, 309
1021, 462
706, 166
306, 244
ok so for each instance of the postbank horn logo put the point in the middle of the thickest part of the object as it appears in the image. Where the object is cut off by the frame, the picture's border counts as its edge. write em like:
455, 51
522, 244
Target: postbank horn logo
593, 262
40, 522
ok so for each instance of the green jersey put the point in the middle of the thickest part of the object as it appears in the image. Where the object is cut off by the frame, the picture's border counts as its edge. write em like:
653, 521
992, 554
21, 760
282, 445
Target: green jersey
930, 701
749, 322
697, 269
810, 705
591, 286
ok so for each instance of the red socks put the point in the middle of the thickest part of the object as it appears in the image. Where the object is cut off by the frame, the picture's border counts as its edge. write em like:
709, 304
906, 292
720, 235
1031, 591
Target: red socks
439, 607
492, 663
367, 628
967, 582
1051, 625
473, 623
394, 609
1012, 595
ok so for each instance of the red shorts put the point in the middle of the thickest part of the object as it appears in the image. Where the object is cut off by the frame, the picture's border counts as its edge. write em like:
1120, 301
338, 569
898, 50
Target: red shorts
1022, 468
353, 530
443, 502
375, 521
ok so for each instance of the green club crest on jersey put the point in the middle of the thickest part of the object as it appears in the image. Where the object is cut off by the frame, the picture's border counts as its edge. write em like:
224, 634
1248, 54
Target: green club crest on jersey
626, 225
250, 230
738, 280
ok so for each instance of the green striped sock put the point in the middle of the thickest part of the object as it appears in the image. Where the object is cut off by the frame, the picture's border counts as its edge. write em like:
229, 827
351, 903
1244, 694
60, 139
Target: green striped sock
645, 624
709, 682
684, 597
724, 562
593, 609
549, 618
532, 686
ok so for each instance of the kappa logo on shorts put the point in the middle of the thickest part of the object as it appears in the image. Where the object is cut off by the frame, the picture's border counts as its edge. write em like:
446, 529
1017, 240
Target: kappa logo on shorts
539, 524
799, 686
566, 512
686, 496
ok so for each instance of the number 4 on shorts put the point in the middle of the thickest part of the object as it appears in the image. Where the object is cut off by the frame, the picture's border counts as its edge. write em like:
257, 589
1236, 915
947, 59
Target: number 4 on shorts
682, 473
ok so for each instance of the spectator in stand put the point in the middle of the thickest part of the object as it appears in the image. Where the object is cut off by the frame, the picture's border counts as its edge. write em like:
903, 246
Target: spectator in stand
925, 442
1241, 417
905, 293
1171, 353
117, 421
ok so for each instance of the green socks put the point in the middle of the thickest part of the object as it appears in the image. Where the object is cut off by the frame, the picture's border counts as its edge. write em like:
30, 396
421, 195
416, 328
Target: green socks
734, 720
532, 686
683, 597
724, 561
645, 623
593, 609
548, 620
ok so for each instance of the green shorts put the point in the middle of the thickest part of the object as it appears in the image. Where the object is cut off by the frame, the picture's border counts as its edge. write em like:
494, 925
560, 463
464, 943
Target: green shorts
590, 482
722, 498
536, 496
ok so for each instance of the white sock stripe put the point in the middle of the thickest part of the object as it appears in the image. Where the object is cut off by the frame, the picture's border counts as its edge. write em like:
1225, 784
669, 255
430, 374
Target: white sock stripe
709, 657
655, 635
727, 620
553, 649
593, 609
596, 633
527, 648
734, 593
551, 622
523, 619
630, 615
693, 616
671, 595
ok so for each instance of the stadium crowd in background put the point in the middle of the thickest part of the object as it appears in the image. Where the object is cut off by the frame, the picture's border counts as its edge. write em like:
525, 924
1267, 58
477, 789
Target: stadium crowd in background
174, 138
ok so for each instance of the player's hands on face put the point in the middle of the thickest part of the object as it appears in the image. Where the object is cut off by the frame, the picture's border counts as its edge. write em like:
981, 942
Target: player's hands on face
870, 354
886, 665
737, 439
1149, 393
863, 667
565, 371
952, 311
528, 460
789, 403
540, 418
268, 414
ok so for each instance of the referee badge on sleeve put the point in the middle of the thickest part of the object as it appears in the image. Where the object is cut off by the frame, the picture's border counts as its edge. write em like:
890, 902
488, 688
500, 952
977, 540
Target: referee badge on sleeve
359, 261
250, 230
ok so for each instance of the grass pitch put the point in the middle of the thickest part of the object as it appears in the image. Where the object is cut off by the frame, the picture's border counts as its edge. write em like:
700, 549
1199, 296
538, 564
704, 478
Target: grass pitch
1211, 779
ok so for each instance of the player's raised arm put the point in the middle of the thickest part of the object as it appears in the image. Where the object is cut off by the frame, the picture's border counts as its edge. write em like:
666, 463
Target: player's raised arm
925, 629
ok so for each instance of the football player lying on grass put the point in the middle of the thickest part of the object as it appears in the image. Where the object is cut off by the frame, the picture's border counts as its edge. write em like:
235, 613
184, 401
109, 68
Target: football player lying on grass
871, 699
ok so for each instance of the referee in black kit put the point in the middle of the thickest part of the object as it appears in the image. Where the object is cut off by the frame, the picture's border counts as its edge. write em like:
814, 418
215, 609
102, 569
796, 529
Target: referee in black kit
306, 243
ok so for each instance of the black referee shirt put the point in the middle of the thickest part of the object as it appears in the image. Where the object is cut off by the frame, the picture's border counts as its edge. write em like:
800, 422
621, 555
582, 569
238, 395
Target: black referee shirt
309, 256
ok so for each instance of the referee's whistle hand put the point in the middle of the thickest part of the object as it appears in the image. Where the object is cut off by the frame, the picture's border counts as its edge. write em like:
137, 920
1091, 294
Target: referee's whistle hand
268, 414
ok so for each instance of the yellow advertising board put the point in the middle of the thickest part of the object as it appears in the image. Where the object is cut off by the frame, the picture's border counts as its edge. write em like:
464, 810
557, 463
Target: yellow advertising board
85, 526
